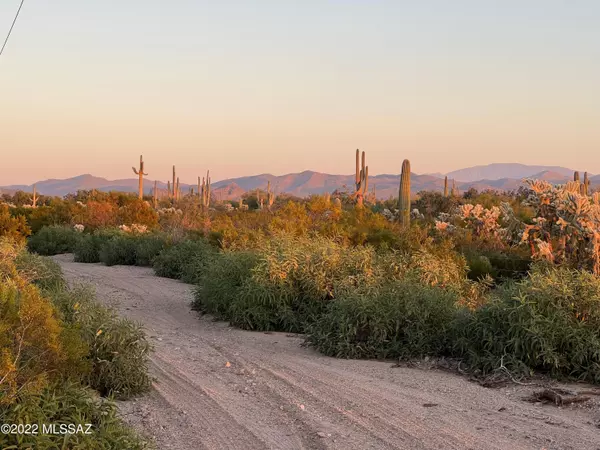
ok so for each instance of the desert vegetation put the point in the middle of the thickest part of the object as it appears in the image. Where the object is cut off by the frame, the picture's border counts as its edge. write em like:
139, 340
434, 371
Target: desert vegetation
63, 356
503, 282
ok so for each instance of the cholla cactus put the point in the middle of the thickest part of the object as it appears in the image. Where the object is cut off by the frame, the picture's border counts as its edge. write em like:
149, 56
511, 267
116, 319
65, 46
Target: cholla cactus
134, 228
79, 227
169, 211
416, 214
567, 226
481, 222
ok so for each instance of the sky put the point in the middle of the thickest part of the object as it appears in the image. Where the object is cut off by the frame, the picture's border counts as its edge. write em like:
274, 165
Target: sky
279, 86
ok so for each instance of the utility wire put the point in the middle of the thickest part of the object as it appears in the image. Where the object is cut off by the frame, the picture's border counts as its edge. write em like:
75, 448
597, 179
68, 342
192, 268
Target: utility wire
11, 27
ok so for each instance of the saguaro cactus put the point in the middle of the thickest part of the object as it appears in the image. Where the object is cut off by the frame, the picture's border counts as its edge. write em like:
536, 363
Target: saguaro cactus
34, 200
270, 195
361, 178
454, 189
177, 190
155, 194
141, 174
174, 192
445, 186
205, 190
404, 194
576, 177
585, 187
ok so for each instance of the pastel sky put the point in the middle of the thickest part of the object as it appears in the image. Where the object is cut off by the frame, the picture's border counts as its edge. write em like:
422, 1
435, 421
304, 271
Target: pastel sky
247, 87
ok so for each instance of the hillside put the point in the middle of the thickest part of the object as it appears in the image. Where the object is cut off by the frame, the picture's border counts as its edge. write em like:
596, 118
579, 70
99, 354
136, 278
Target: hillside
500, 171
309, 182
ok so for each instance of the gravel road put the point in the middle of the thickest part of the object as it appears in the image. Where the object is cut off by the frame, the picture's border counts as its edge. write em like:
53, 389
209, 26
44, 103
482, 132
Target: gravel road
221, 388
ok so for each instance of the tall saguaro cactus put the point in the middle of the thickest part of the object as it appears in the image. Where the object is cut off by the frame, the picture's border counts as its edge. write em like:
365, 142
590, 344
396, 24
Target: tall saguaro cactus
446, 186
576, 177
141, 174
175, 187
404, 194
34, 200
585, 187
454, 189
155, 195
361, 178
270, 195
205, 190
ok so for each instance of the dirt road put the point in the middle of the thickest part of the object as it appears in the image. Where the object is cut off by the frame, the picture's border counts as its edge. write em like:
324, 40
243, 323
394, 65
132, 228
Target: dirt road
223, 388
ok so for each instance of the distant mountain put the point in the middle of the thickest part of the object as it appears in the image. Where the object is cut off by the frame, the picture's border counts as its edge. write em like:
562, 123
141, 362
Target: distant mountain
308, 182
500, 171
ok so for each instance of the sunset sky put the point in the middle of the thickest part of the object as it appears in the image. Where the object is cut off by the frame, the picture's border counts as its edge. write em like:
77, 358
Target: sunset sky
247, 87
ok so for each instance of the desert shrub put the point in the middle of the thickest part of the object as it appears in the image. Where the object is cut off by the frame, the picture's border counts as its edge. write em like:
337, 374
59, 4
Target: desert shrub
15, 228
398, 320
139, 212
147, 248
288, 283
40, 270
68, 403
222, 281
34, 348
99, 214
88, 246
549, 321
118, 349
186, 260
118, 250
498, 264
432, 204
53, 240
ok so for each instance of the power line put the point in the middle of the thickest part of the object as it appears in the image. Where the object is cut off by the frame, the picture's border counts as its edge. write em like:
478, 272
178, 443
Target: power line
11, 27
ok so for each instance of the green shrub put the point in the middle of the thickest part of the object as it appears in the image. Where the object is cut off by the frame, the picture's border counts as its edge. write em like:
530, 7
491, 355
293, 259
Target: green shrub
40, 270
119, 250
549, 322
399, 320
68, 403
286, 284
147, 248
15, 228
186, 260
53, 240
222, 281
497, 264
118, 349
88, 246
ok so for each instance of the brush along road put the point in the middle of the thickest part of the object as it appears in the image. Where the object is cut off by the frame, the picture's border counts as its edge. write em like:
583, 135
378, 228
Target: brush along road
221, 388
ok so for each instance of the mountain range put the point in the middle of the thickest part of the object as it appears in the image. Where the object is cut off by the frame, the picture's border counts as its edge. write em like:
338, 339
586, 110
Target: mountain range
502, 177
